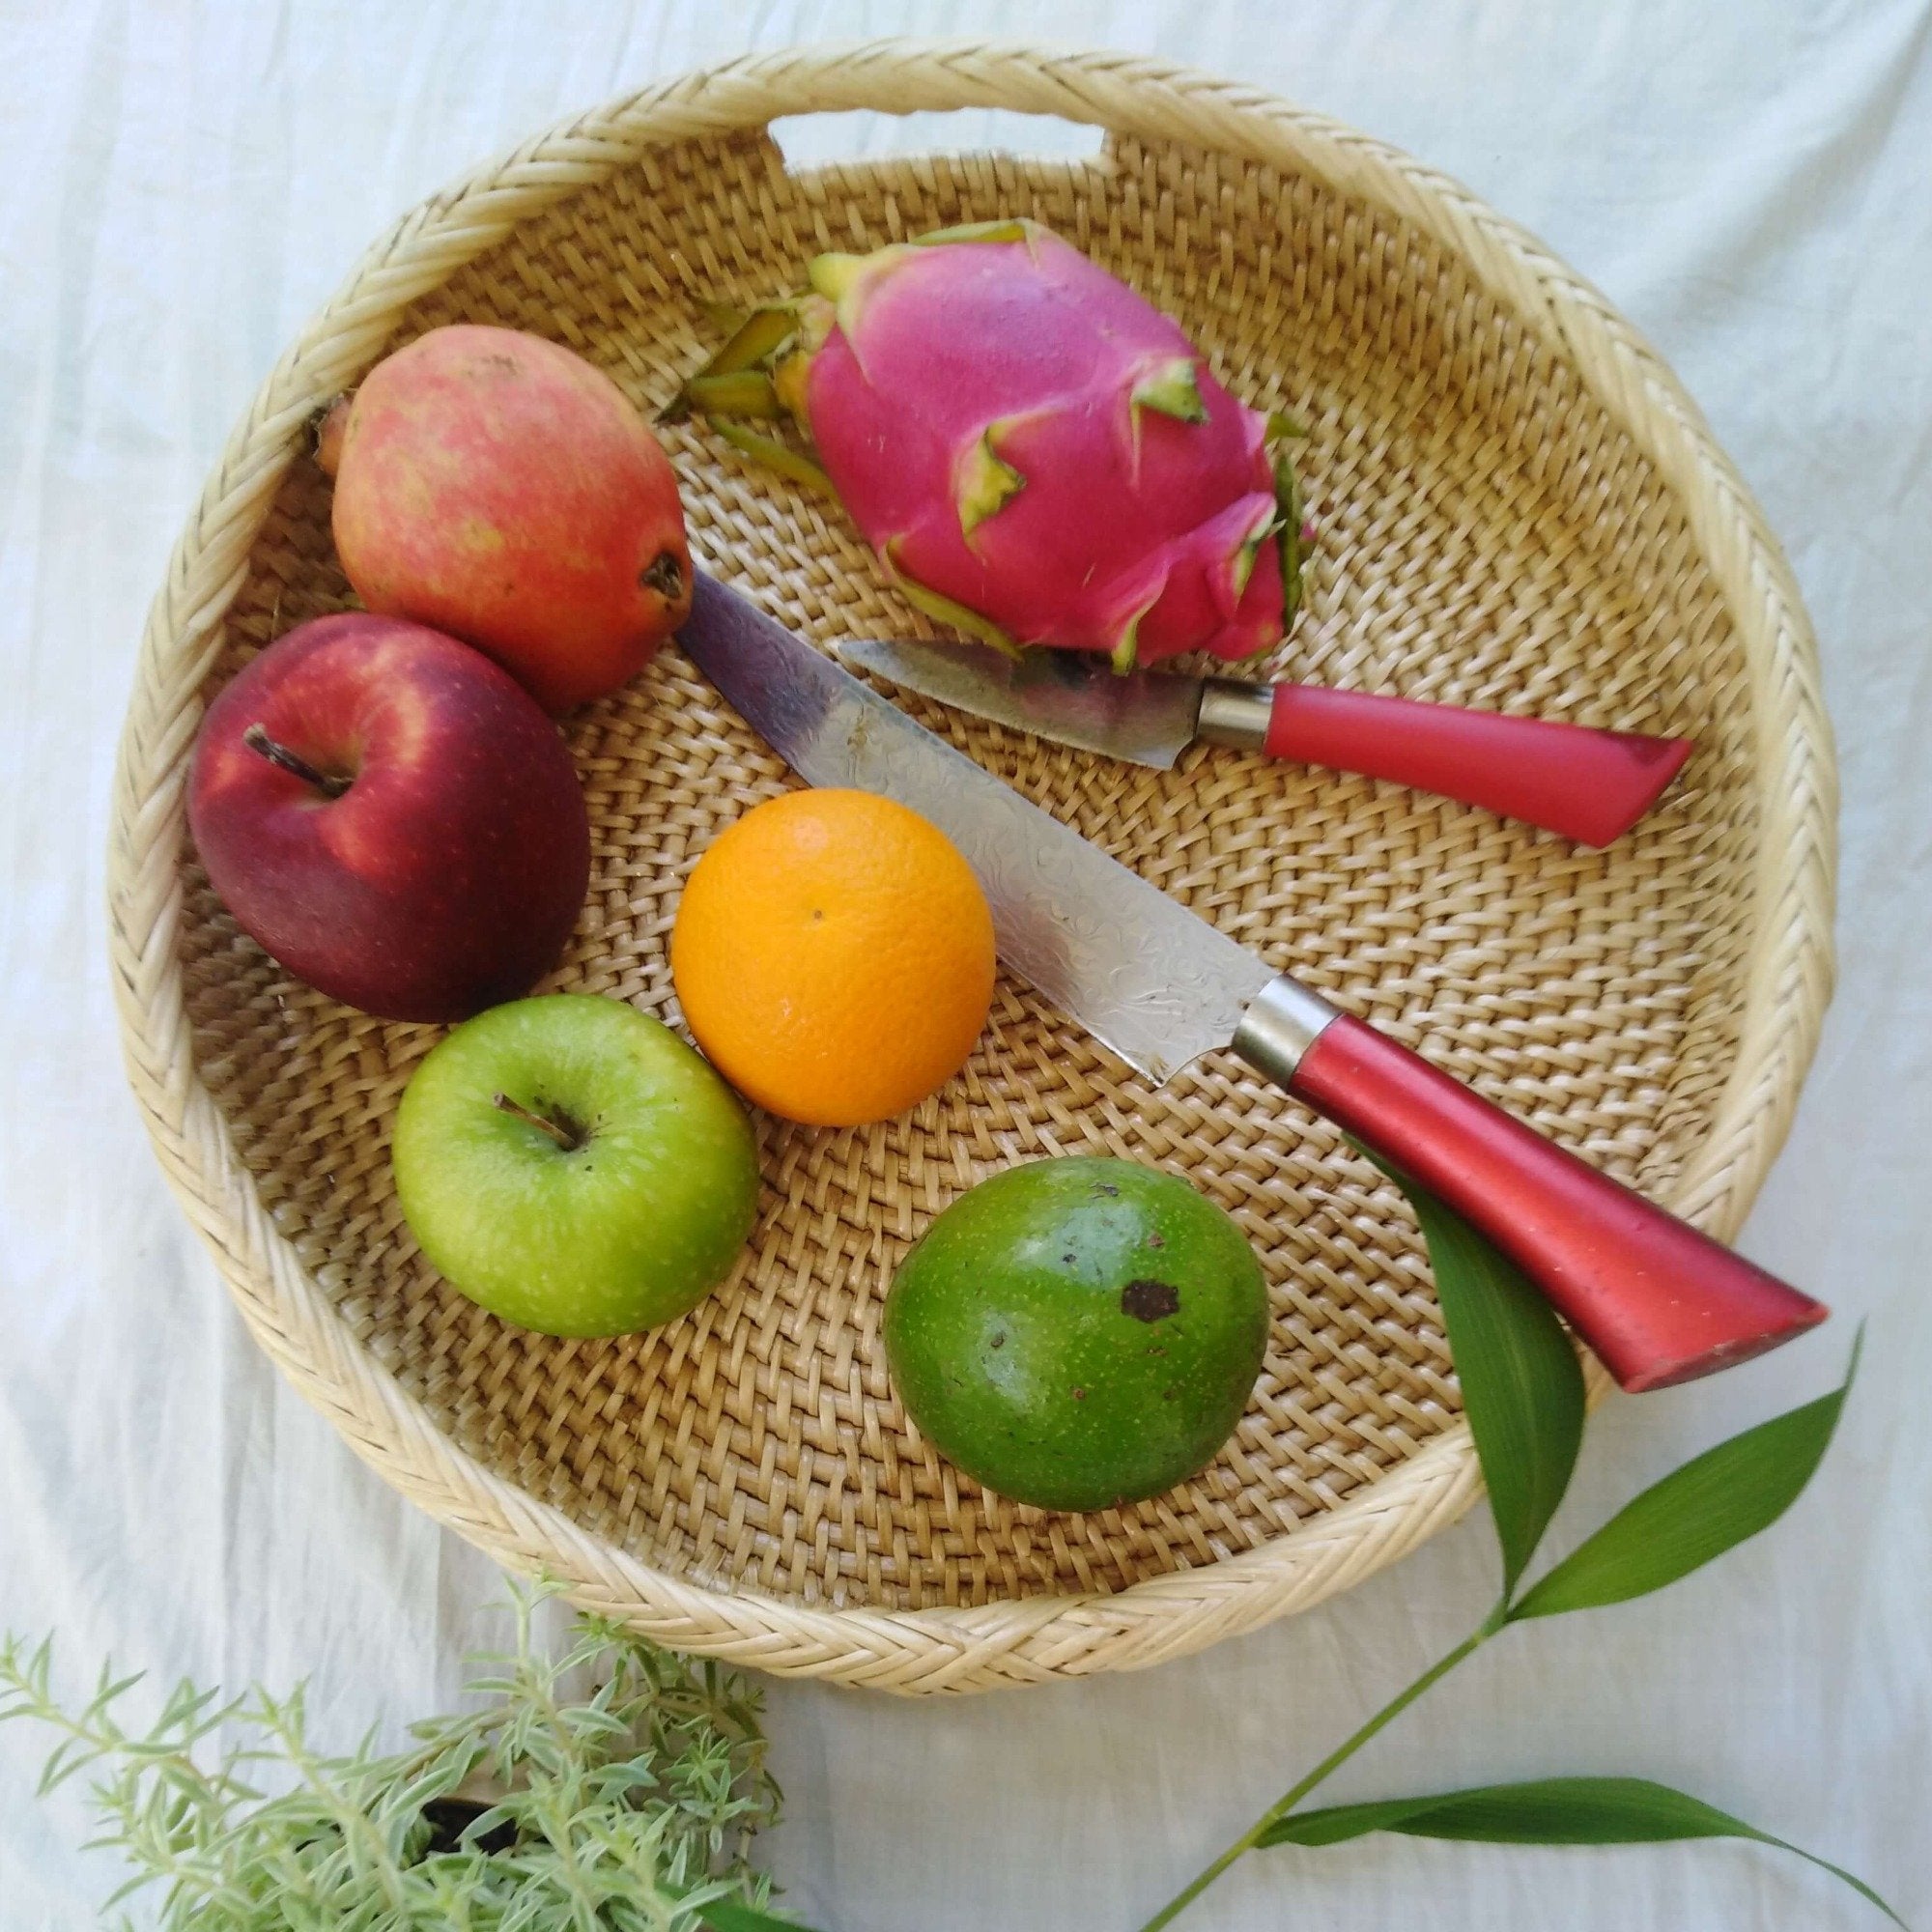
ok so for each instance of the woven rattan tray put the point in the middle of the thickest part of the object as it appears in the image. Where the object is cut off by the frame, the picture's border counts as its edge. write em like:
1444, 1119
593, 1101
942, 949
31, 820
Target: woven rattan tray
1516, 506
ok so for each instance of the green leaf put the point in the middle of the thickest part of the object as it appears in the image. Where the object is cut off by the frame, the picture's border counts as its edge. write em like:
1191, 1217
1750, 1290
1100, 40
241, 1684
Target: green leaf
729, 1915
1696, 1513
987, 482
742, 392
1010, 230
778, 457
1522, 1387
1288, 506
1544, 1811
943, 610
754, 341
1170, 389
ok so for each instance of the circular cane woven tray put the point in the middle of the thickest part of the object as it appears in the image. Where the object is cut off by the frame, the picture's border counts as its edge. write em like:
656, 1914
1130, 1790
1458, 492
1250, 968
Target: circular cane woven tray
1516, 506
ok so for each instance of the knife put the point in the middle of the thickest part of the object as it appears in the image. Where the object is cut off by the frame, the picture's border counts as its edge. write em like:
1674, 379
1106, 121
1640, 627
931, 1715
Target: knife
1658, 1301
1588, 784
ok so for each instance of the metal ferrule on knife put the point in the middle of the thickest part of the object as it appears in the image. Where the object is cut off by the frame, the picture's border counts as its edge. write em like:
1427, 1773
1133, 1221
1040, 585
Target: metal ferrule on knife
1282, 1022
1235, 714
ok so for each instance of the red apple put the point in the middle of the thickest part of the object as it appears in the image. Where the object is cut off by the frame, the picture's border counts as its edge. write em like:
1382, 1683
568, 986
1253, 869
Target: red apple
499, 487
391, 816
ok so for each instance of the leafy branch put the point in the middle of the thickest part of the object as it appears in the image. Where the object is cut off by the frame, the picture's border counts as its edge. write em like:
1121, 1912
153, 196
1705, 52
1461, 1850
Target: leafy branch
1522, 1392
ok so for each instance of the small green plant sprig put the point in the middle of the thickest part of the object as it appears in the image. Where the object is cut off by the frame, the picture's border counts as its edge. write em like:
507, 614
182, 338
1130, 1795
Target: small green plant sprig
631, 1808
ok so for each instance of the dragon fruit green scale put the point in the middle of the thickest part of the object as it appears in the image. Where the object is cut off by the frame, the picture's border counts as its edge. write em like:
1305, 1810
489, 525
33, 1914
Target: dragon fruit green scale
1037, 454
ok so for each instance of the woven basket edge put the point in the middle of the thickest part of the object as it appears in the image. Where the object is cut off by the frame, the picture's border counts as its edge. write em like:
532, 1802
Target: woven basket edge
1009, 1642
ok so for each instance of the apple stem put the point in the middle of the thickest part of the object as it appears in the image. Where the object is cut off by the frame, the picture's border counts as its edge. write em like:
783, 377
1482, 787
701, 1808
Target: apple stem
326, 428
560, 1134
257, 739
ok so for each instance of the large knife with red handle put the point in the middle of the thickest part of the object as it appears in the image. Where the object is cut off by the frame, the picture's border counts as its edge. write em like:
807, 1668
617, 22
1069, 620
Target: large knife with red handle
1589, 784
1658, 1301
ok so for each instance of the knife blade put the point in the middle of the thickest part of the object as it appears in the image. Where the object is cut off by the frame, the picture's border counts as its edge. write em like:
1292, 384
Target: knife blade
1588, 784
1145, 719
1659, 1302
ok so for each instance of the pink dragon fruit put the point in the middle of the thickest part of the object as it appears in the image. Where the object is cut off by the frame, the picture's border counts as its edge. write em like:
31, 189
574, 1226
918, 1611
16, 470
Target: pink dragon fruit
1039, 456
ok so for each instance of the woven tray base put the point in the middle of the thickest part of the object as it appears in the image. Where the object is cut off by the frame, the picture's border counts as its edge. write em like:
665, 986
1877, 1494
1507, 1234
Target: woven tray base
1487, 533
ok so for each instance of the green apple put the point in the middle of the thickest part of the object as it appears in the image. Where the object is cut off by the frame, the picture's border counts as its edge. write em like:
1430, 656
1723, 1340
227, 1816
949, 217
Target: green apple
574, 1166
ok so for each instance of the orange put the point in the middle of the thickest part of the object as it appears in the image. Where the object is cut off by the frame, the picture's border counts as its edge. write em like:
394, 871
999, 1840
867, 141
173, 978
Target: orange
833, 956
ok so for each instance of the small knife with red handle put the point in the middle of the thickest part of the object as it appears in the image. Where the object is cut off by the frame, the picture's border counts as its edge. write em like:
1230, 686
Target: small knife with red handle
1658, 1301
1588, 784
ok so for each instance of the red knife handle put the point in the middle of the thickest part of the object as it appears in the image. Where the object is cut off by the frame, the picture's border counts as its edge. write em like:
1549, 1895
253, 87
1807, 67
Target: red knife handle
1658, 1301
1590, 785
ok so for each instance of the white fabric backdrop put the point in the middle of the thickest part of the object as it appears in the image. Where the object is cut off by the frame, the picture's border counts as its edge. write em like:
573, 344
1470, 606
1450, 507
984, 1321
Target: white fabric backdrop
1747, 179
